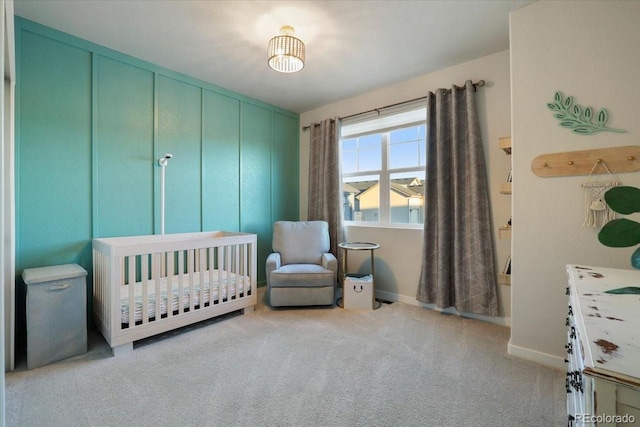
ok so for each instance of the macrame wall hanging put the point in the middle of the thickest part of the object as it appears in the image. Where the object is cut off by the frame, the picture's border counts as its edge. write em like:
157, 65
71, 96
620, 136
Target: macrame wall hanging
597, 212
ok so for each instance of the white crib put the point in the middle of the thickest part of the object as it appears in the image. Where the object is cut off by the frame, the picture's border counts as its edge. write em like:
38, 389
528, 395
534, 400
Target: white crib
146, 285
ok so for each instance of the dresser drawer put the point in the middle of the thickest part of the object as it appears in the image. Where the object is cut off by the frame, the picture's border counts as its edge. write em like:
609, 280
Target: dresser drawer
603, 384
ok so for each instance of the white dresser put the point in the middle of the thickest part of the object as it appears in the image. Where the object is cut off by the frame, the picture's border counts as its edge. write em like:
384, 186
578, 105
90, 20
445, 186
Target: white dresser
603, 349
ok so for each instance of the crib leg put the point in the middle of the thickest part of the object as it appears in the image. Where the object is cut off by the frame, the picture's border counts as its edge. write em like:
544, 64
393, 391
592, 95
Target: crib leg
122, 349
248, 310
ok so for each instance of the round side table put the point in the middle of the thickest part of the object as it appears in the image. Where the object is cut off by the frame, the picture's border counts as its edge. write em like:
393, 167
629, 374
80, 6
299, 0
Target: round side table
357, 246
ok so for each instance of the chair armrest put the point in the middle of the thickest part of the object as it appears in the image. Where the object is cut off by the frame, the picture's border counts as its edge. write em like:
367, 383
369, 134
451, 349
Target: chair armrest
273, 263
330, 262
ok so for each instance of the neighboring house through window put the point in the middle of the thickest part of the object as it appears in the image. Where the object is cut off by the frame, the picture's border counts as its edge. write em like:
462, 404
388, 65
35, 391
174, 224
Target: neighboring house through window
383, 168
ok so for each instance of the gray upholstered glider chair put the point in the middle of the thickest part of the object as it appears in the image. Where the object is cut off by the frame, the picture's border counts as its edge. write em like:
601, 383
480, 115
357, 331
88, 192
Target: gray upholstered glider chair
301, 271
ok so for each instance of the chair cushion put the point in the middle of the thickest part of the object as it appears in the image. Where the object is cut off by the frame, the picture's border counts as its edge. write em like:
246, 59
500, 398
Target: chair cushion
301, 276
301, 242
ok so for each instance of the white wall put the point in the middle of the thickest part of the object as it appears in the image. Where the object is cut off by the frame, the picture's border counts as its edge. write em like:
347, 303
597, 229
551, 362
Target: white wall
398, 259
588, 50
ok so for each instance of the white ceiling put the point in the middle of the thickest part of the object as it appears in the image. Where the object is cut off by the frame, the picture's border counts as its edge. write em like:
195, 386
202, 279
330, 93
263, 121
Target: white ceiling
352, 47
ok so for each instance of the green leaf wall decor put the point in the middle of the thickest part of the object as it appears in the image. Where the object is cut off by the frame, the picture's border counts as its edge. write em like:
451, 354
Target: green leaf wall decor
629, 290
578, 119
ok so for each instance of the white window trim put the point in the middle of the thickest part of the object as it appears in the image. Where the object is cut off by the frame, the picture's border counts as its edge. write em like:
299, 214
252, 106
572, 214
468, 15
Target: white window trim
415, 116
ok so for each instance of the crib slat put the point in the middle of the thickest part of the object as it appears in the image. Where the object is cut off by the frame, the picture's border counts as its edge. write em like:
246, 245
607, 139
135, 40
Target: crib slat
144, 271
181, 281
236, 270
211, 269
221, 295
246, 276
228, 270
200, 273
155, 273
132, 290
247, 260
168, 256
192, 293
226, 273
237, 278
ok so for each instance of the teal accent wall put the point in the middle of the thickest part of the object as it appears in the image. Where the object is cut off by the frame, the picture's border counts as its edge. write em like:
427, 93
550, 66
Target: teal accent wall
221, 165
54, 194
284, 167
255, 176
179, 109
91, 124
123, 145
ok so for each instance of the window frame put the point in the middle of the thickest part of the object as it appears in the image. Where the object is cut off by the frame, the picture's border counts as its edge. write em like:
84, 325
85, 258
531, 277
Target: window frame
385, 173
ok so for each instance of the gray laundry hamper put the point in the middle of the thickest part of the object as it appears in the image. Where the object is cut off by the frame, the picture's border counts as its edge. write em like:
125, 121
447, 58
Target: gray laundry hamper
56, 313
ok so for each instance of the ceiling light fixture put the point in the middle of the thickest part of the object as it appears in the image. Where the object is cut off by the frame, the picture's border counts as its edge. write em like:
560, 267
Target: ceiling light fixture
286, 52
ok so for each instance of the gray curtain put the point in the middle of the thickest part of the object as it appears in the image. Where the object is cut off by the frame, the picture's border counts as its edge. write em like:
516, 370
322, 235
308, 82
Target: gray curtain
325, 190
458, 262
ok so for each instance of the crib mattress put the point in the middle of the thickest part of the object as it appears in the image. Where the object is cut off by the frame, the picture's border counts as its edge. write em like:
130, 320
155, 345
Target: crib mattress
224, 285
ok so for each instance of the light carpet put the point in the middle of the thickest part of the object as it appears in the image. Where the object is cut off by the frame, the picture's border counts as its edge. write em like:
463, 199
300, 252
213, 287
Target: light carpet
399, 365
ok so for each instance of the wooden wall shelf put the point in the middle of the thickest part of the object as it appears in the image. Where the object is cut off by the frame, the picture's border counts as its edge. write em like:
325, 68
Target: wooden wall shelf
504, 233
505, 144
504, 279
505, 188
618, 159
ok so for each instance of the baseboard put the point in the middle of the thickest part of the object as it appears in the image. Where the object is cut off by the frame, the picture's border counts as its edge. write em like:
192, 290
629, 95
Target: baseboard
389, 296
536, 356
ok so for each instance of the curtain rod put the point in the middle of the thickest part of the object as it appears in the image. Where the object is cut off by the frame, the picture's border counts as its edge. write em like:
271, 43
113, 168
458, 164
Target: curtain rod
479, 83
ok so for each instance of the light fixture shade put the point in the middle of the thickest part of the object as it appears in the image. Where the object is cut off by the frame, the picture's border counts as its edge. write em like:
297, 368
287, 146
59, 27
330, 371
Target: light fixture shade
286, 53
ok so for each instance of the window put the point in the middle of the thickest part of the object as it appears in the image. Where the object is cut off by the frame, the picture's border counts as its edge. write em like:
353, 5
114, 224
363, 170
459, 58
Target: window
383, 169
